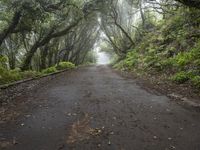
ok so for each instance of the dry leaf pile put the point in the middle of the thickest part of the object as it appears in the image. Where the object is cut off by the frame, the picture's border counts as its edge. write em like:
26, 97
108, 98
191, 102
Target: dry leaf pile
81, 130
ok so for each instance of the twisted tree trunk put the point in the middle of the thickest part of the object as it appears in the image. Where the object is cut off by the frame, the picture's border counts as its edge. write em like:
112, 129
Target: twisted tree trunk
15, 21
45, 40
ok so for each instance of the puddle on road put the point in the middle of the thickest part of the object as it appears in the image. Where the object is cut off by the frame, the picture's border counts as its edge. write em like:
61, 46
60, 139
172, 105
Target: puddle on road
81, 131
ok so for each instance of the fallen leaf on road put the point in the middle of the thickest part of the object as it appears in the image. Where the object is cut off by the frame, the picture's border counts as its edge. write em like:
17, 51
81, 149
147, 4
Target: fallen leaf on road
82, 131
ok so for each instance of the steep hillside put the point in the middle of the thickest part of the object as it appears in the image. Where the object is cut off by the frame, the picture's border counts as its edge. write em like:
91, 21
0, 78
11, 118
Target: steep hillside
170, 50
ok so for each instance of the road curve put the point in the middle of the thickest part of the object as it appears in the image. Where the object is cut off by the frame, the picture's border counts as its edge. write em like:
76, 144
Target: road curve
95, 108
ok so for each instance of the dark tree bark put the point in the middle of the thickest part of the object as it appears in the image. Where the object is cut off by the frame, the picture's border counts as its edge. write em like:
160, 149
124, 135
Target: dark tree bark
114, 15
50, 58
66, 56
125, 33
56, 58
15, 21
44, 54
12, 61
142, 14
190, 3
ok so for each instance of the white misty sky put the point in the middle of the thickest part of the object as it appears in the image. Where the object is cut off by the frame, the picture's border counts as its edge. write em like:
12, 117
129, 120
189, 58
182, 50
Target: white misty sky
103, 58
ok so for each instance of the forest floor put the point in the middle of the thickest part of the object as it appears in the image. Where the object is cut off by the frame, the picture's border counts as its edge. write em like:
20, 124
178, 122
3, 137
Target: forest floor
95, 108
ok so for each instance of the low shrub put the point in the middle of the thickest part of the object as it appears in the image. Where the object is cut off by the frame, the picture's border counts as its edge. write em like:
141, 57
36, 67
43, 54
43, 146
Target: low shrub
30, 74
196, 81
131, 60
119, 65
49, 70
180, 77
182, 59
167, 63
3, 61
65, 65
7, 76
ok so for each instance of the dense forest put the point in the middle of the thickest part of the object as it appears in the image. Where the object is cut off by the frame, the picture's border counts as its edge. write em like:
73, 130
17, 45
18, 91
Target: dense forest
155, 36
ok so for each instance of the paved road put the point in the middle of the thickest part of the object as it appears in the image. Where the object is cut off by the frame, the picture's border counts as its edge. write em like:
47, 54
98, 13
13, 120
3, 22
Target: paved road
95, 108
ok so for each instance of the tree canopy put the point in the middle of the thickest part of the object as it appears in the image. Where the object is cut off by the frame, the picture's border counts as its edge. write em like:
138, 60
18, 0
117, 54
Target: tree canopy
36, 34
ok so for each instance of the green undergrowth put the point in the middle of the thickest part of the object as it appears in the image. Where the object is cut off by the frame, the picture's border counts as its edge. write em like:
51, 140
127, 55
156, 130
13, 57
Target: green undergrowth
49, 70
172, 49
65, 65
9, 76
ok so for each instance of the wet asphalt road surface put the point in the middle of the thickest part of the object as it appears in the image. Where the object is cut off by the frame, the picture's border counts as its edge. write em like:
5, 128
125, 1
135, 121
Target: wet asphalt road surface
94, 108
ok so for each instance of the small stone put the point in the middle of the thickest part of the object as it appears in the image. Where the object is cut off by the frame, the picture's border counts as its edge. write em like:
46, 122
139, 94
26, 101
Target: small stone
169, 138
155, 137
28, 116
114, 118
172, 147
99, 131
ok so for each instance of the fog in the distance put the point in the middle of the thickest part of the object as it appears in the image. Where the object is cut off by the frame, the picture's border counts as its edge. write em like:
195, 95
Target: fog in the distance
102, 58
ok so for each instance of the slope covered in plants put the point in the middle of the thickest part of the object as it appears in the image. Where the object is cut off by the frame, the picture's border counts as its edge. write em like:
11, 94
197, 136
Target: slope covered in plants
171, 49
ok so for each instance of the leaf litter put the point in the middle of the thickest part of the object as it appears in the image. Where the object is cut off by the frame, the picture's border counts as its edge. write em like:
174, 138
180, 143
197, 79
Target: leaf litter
81, 131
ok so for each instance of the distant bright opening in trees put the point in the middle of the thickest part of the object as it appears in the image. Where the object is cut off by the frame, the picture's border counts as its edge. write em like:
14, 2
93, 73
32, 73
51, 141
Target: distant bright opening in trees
102, 58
